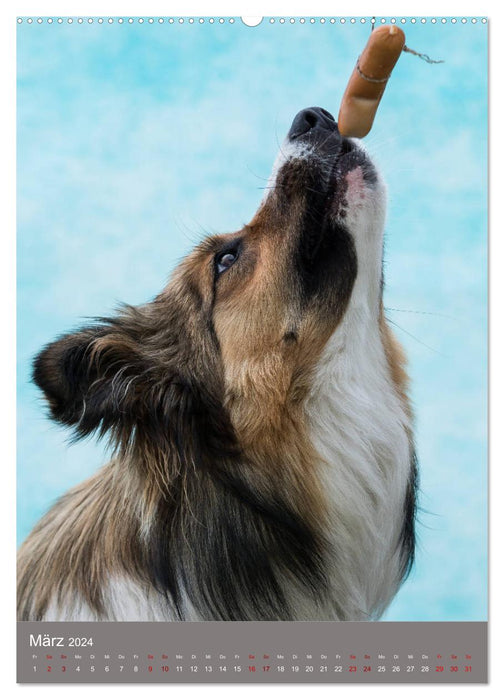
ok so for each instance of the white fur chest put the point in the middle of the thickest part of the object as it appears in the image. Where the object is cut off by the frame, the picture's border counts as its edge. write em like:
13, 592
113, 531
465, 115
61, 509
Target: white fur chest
359, 428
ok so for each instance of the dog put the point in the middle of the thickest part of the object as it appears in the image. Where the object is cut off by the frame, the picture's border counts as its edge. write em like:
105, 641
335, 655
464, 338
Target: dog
263, 464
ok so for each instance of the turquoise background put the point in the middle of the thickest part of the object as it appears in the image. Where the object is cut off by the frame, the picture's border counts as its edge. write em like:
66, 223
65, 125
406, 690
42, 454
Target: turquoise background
136, 140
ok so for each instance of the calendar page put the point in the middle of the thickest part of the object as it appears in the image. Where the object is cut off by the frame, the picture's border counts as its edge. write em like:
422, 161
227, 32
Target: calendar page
252, 349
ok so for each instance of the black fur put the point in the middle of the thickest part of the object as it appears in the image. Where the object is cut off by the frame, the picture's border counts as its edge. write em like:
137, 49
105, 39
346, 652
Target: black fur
325, 258
408, 537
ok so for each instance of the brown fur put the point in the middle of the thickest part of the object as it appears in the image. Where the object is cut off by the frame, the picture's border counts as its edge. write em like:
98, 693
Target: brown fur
89, 533
94, 530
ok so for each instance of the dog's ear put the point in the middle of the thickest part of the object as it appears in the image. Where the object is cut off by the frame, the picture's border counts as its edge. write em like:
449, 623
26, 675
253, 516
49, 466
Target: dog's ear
127, 376
95, 377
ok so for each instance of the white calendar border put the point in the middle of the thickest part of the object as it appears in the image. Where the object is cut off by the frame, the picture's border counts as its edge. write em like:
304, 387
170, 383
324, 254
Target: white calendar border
7, 281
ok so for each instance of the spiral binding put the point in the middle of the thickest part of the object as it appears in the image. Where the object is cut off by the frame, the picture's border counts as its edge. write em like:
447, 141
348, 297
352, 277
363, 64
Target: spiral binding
265, 20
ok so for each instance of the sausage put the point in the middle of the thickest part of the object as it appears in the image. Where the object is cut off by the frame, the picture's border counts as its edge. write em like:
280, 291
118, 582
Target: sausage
369, 79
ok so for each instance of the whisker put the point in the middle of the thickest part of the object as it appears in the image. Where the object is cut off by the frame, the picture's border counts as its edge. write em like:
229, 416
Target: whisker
259, 177
190, 234
426, 313
415, 338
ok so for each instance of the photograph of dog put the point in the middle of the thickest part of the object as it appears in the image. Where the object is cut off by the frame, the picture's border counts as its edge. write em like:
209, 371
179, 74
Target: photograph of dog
263, 464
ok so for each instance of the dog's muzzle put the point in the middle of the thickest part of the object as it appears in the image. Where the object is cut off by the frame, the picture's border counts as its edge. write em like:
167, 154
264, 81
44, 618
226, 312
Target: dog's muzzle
316, 130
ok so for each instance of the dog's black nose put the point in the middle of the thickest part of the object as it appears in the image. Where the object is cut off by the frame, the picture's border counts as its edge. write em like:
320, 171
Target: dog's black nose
312, 120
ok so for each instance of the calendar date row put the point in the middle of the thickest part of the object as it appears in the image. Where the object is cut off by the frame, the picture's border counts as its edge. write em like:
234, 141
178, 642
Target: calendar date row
281, 668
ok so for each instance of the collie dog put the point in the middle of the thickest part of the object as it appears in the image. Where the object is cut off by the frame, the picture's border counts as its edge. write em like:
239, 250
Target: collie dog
263, 464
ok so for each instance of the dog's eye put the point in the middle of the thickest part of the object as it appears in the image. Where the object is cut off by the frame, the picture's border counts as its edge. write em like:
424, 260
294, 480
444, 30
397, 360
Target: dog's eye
224, 260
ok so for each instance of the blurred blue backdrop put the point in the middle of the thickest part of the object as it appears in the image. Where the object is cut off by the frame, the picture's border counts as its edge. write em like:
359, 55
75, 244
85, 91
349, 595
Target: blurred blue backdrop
136, 139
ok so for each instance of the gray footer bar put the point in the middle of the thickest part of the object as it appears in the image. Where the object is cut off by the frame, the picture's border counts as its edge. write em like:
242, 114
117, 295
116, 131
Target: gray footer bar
252, 652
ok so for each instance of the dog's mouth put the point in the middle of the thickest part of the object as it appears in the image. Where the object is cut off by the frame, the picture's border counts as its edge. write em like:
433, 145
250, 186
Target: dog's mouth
350, 168
333, 156
323, 184
322, 165
350, 157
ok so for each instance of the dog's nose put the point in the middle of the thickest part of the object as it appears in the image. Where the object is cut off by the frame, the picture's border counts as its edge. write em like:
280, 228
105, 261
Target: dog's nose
312, 121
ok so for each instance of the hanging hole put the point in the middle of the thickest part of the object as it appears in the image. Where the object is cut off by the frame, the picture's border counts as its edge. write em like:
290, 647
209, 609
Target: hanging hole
251, 21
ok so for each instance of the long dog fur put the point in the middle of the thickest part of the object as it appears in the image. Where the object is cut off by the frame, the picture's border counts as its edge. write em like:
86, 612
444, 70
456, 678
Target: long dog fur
263, 465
